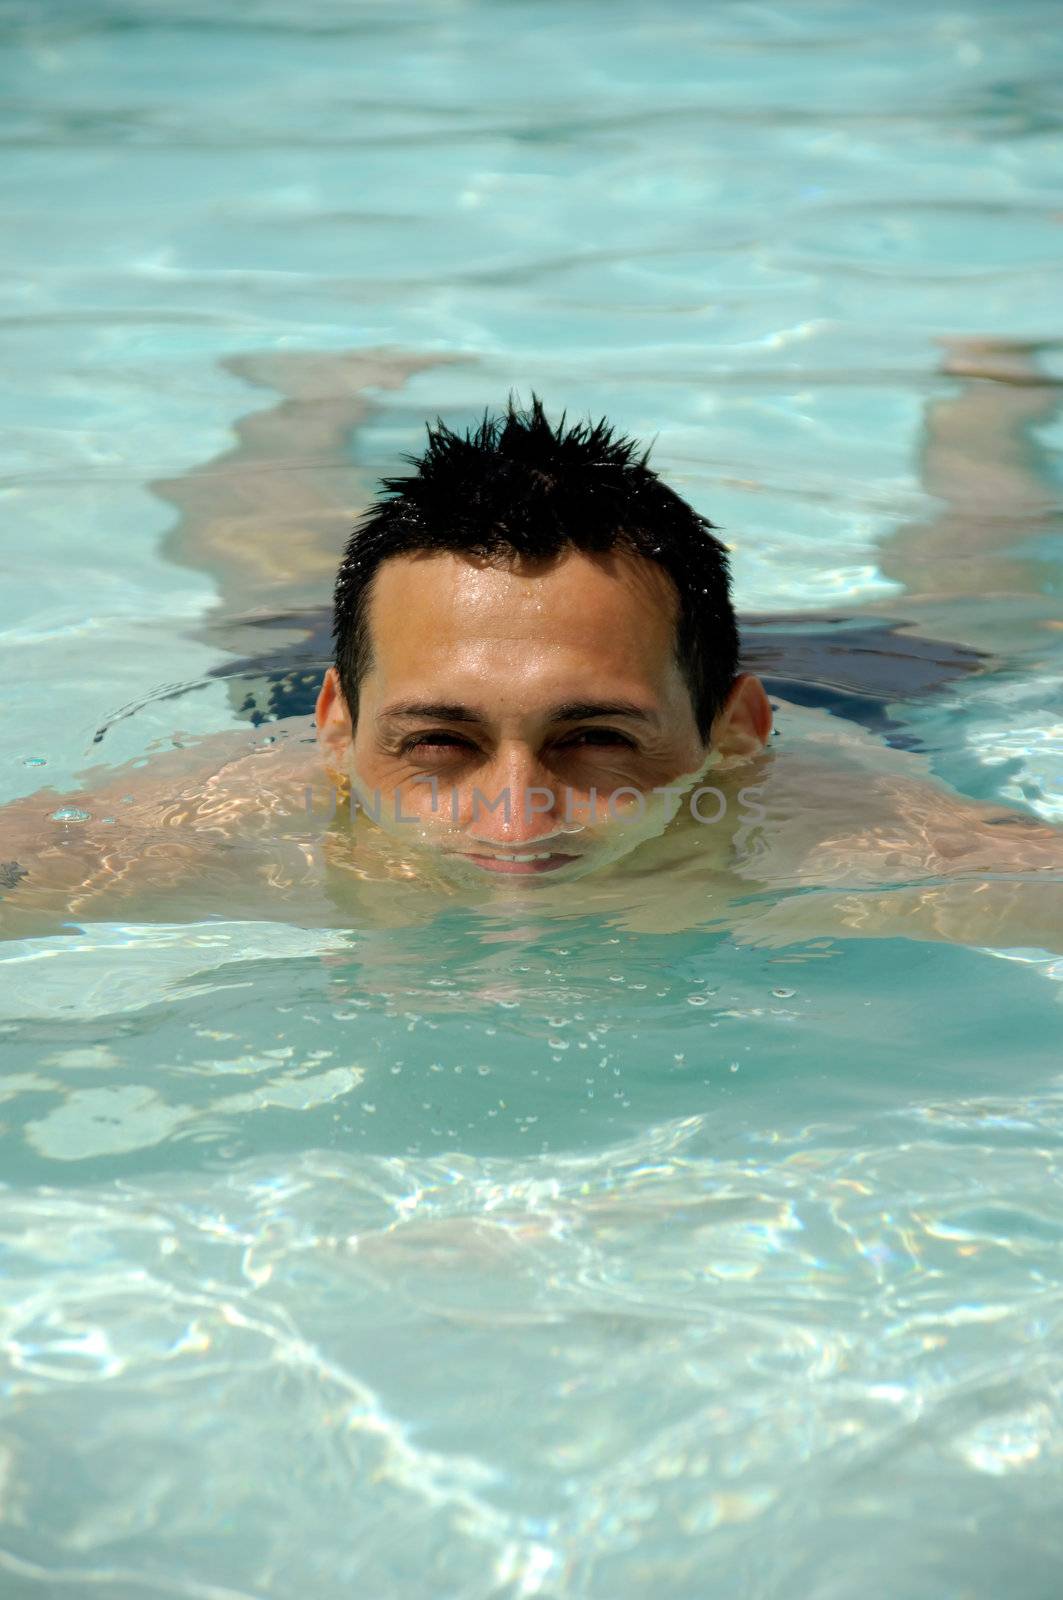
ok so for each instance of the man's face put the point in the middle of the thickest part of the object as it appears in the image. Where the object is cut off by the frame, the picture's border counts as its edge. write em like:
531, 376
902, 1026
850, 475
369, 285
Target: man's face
521, 715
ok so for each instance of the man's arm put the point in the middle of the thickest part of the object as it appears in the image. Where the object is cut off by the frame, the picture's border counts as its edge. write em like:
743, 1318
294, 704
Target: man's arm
1018, 914
198, 831
976, 874
940, 867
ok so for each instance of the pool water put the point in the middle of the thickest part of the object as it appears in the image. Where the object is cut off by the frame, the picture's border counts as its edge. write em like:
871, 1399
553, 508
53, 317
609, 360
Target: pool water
494, 1254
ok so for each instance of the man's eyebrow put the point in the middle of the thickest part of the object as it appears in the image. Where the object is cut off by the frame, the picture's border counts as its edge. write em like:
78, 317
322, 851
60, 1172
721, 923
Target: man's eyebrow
432, 710
569, 711
585, 710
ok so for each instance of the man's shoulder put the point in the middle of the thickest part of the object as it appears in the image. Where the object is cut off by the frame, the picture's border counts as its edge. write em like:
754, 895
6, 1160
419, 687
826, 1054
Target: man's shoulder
148, 826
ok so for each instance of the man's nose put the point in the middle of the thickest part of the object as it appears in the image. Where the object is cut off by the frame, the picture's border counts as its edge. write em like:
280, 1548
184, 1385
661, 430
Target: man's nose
515, 800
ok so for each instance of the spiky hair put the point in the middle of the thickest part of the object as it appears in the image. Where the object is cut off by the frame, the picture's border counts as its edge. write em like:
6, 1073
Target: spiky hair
517, 488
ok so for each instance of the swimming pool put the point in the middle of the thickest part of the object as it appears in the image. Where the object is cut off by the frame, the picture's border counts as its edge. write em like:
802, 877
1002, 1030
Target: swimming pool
488, 1253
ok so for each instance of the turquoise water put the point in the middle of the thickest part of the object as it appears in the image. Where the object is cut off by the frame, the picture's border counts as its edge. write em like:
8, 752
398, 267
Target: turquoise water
502, 1255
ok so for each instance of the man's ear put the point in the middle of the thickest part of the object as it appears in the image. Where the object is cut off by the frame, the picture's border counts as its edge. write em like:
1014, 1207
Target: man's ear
334, 728
743, 724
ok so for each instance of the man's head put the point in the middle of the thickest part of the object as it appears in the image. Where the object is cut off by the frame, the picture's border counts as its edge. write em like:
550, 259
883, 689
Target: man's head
519, 489
533, 607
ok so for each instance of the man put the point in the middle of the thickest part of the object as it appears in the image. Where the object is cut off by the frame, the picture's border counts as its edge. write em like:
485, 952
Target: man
536, 682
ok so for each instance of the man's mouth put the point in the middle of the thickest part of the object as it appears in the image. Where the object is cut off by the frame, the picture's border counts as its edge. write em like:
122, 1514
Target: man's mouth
521, 862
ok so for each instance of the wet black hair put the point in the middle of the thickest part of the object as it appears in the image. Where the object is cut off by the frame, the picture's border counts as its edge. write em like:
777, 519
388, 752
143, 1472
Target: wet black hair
517, 488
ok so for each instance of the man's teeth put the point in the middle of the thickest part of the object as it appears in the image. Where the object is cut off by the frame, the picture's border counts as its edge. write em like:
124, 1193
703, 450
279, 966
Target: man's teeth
543, 855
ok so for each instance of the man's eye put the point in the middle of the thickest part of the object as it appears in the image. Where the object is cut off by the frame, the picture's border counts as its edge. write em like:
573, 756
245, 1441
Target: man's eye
425, 743
601, 737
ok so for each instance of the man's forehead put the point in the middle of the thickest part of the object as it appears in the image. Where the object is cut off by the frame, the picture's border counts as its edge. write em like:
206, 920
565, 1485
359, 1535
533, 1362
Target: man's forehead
467, 594
525, 640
